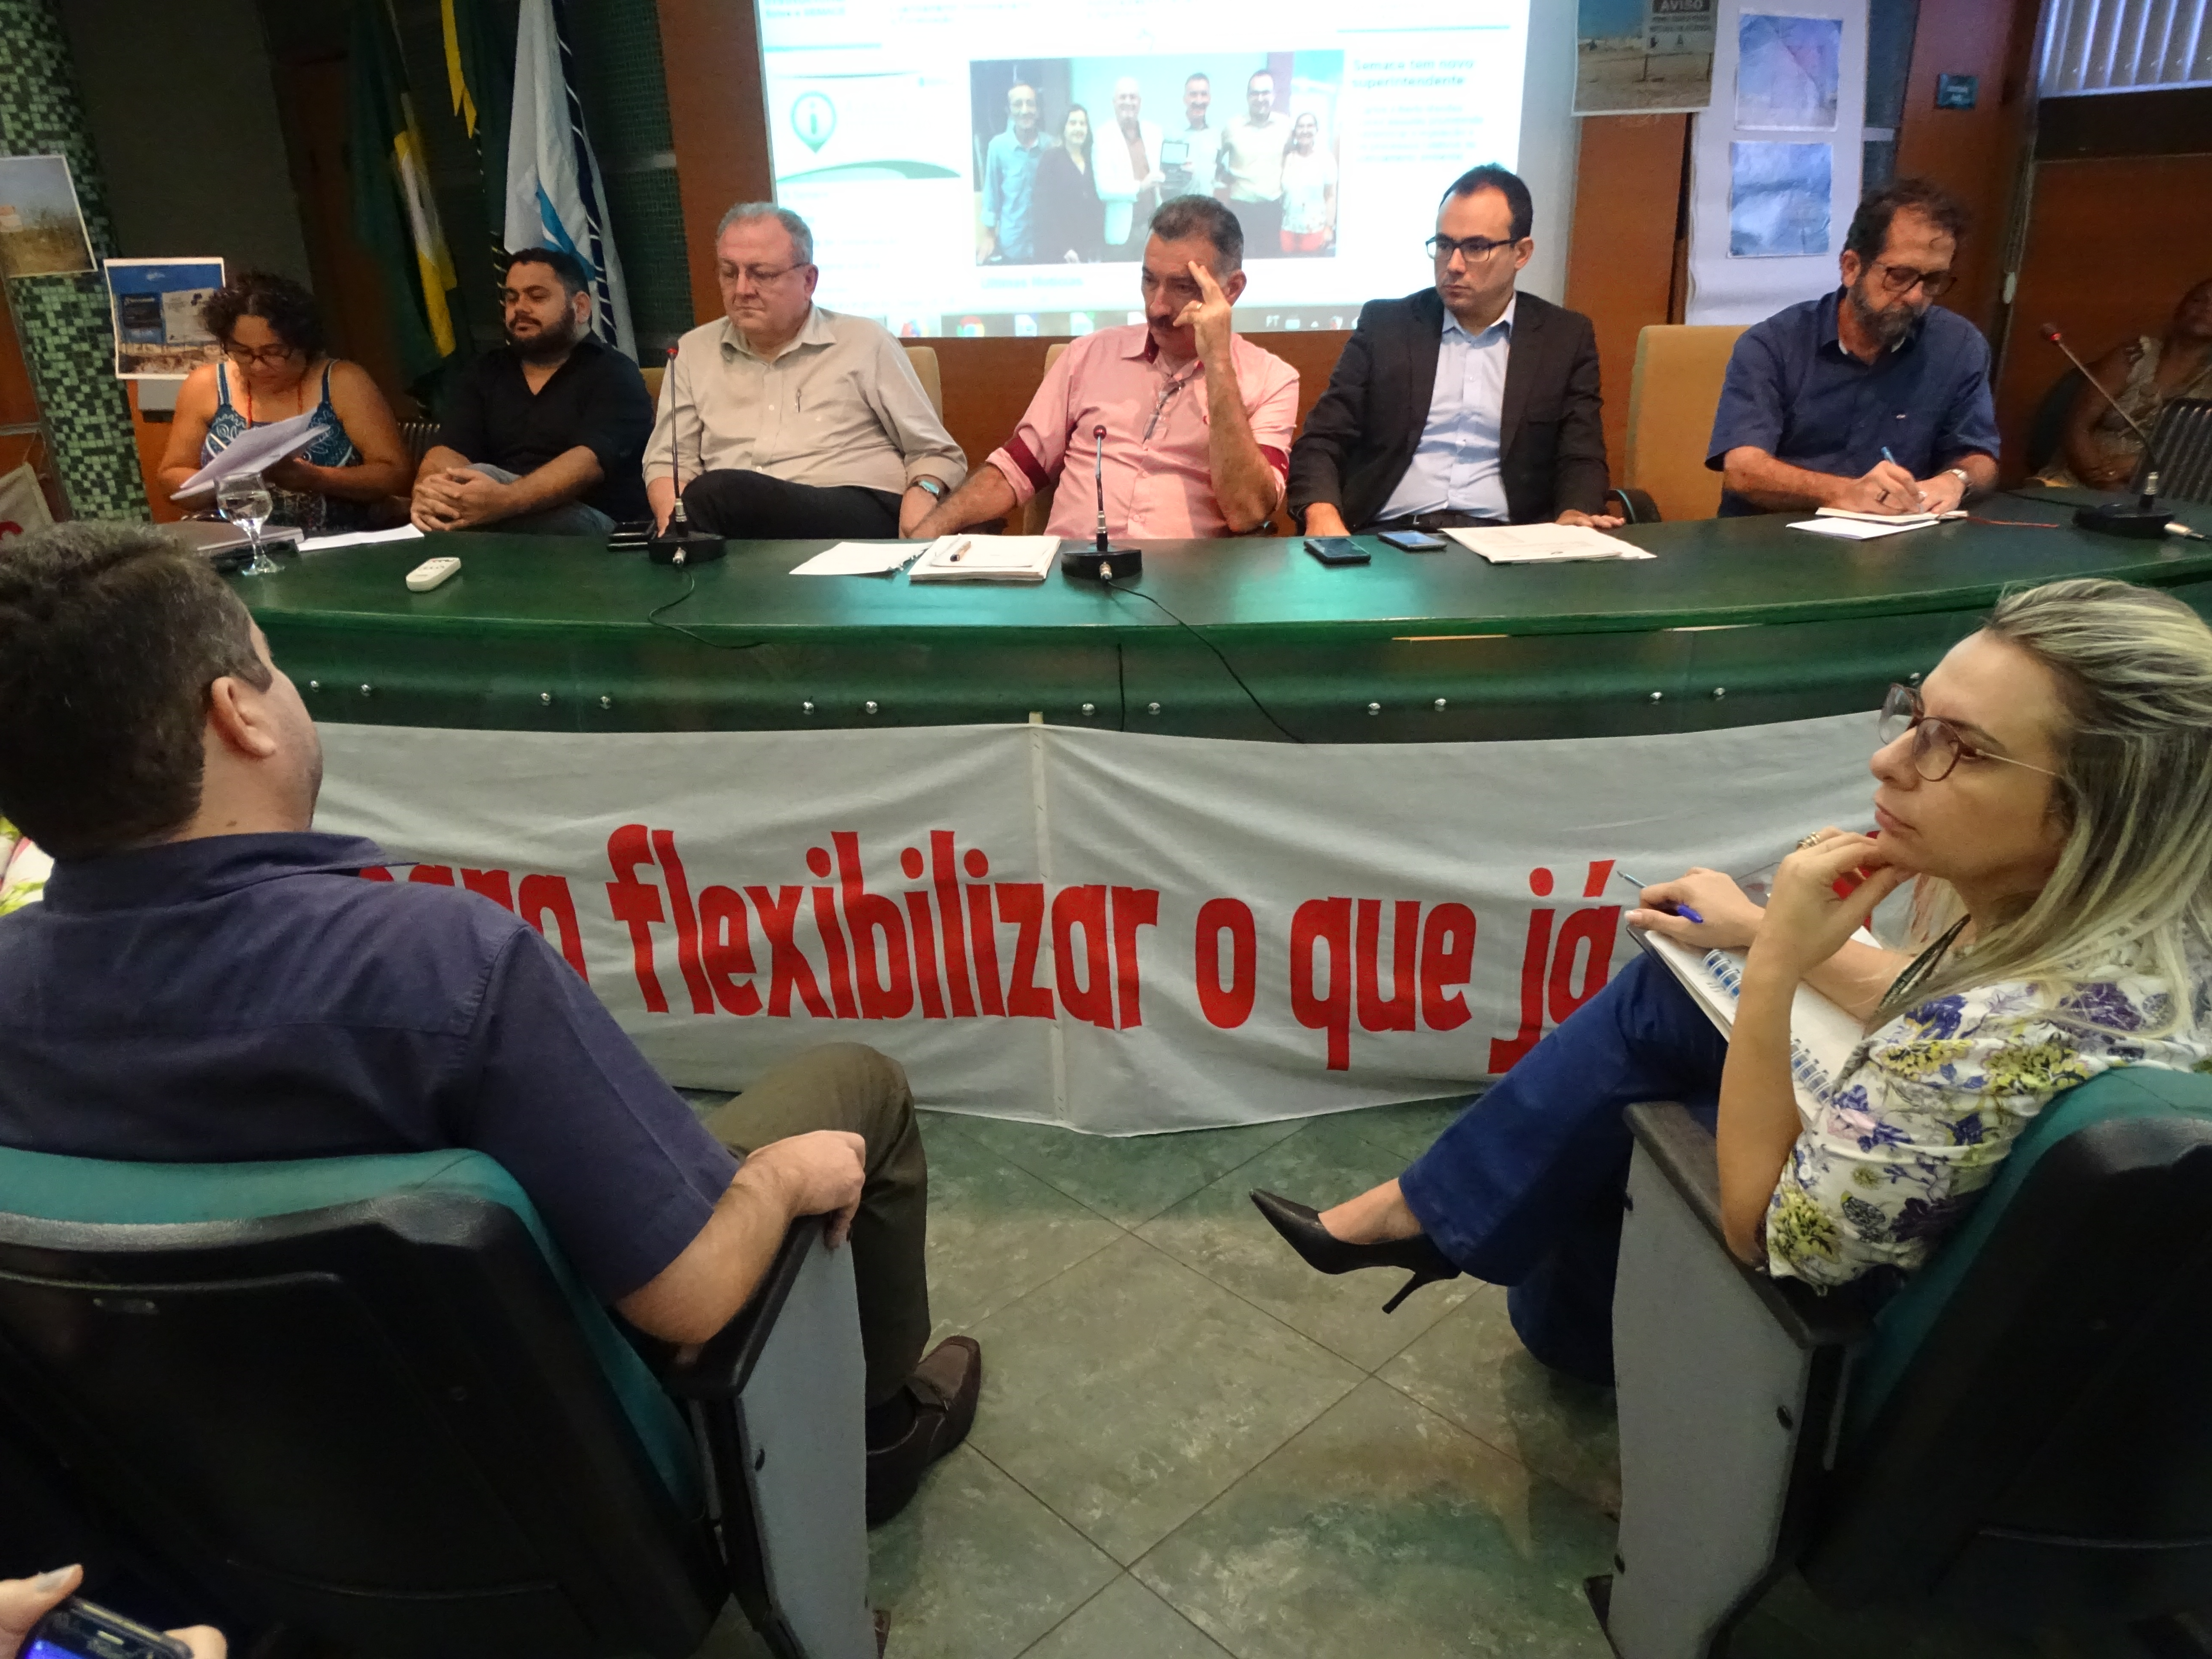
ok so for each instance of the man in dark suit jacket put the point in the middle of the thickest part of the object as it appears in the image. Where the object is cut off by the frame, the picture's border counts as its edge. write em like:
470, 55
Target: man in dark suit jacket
1464, 404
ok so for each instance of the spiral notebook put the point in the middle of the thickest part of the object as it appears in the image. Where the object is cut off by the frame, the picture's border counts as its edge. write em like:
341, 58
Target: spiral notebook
986, 559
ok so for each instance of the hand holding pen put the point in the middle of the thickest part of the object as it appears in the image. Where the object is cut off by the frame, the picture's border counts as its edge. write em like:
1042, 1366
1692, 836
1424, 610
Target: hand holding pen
1700, 907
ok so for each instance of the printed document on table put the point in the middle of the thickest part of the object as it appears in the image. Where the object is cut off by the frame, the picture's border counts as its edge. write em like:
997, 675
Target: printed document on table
1543, 543
256, 450
861, 559
405, 533
986, 559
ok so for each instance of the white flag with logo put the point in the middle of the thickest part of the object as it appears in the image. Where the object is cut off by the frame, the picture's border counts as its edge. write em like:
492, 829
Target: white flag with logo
22, 504
556, 197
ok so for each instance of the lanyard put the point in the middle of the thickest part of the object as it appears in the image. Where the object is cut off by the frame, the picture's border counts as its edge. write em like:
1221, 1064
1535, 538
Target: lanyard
1167, 397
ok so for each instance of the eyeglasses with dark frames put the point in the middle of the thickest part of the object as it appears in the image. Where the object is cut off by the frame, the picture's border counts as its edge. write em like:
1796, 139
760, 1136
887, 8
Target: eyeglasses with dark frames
1937, 748
1901, 279
1472, 249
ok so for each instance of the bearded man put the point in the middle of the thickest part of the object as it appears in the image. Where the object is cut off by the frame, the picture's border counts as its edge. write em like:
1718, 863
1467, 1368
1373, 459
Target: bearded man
547, 432
1873, 398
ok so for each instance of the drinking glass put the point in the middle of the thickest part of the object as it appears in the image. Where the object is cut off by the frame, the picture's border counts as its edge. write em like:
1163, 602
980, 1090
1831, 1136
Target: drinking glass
243, 499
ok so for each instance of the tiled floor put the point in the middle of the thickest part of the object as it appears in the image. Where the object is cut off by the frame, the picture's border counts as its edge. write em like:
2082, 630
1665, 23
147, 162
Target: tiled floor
1190, 1446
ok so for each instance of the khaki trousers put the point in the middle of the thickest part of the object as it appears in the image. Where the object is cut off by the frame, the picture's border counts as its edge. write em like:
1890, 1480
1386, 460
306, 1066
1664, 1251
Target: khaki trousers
845, 1086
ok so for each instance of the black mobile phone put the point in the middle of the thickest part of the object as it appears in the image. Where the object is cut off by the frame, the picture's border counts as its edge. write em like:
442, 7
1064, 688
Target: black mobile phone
1337, 549
1411, 541
79, 1629
629, 538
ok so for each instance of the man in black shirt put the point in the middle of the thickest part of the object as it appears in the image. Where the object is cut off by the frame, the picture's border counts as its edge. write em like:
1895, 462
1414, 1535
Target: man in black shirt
545, 433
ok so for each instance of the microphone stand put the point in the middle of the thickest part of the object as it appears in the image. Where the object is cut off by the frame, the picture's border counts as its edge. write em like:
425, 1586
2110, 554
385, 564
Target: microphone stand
1103, 563
2145, 519
679, 544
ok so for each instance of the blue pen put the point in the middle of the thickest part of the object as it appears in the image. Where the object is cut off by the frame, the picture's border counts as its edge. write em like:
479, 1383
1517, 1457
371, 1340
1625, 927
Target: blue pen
1887, 456
1681, 910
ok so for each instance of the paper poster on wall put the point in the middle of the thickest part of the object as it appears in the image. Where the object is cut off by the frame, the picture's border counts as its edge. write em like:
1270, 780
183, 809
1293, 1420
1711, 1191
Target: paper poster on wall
1643, 56
155, 305
1768, 204
1787, 71
41, 227
1778, 199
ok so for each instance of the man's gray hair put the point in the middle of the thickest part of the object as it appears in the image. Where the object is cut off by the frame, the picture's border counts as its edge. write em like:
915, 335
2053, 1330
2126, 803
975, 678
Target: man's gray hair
802, 238
1201, 215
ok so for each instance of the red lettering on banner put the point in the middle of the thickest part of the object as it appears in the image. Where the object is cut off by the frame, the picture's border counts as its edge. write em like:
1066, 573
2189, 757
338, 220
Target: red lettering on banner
833, 948
1447, 962
1595, 929
1022, 902
1325, 922
435, 875
1133, 908
1504, 1054
789, 968
1600, 871
946, 880
983, 933
1226, 1006
374, 872
1589, 932
1395, 1012
925, 955
1091, 995
495, 885
879, 960
726, 950
544, 895
687, 922
637, 903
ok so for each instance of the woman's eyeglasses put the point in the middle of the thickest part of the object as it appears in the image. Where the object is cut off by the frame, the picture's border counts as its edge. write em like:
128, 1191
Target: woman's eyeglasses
270, 356
1937, 748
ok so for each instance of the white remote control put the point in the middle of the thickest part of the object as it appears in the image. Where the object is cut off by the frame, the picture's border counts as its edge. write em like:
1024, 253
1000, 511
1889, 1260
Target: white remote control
429, 574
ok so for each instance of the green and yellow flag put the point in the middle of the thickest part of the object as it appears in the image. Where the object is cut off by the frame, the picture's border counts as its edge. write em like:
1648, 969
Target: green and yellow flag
480, 83
395, 212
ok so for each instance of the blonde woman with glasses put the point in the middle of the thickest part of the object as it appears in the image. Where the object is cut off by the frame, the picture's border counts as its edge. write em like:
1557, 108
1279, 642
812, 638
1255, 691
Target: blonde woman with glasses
2049, 791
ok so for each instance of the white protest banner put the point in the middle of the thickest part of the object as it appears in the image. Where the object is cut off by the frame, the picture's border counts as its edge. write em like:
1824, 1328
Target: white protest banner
1118, 932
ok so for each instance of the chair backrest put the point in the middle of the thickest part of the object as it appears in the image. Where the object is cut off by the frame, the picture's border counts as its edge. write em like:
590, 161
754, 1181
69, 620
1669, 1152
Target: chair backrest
654, 374
2047, 431
2183, 439
364, 1397
926, 369
419, 436
2029, 1428
1036, 511
1672, 395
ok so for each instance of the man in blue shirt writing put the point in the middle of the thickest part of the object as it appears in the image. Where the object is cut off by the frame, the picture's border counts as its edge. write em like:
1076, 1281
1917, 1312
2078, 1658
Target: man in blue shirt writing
1873, 398
208, 980
1010, 168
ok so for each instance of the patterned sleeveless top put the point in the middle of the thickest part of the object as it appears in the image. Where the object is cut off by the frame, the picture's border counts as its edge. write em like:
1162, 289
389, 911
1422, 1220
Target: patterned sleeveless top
315, 514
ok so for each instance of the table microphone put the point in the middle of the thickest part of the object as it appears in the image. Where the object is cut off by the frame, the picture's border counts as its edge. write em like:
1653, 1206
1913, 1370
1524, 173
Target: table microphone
1105, 562
680, 544
2144, 518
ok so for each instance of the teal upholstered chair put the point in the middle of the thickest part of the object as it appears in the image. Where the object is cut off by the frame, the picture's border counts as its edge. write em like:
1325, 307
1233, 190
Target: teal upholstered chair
2021, 1435
366, 1399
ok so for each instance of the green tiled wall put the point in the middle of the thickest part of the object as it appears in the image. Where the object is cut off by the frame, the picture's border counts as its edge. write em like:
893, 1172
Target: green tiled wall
68, 342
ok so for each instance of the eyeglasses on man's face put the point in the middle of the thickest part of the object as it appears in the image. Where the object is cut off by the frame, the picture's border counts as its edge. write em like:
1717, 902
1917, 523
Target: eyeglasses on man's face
1472, 249
758, 276
1902, 279
1937, 748
269, 356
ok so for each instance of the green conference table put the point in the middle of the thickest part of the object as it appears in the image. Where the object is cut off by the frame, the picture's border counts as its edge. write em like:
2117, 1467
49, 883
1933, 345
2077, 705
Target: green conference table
1734, 623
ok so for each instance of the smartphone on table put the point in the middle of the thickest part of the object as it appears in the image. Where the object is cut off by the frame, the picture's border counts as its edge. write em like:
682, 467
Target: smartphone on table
79, 1629
1412, 541
1337, 549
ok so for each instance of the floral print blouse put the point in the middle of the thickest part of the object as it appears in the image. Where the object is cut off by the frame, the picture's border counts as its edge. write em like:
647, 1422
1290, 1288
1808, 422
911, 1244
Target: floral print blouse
1929, 1105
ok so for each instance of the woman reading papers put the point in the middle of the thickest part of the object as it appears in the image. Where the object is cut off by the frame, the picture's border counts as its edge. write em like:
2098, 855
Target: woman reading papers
2049, 792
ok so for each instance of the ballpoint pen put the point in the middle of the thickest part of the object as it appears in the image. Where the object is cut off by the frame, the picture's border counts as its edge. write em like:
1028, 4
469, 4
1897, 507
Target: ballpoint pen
1681, 910
959, 550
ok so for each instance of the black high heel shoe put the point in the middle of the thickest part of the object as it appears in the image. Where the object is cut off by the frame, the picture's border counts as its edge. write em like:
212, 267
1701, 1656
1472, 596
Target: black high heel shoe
1325, 1252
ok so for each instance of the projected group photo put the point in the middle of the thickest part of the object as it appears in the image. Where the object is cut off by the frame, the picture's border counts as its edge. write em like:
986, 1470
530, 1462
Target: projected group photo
1070, 156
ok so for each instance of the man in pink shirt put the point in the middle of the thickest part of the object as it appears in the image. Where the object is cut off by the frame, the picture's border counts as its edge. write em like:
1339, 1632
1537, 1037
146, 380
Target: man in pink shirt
1196, 422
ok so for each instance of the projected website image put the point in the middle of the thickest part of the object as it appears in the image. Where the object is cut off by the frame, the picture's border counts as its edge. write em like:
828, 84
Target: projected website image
1072, 155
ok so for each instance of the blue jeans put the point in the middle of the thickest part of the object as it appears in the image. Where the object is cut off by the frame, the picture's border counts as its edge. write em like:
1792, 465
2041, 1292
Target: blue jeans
564, 518
1524, 1189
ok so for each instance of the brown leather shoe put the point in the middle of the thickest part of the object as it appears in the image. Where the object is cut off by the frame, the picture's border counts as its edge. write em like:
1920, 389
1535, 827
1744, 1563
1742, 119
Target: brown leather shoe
944, 1386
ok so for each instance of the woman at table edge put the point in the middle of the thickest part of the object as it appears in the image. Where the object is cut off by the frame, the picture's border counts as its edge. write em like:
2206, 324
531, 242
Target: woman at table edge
2049, 792
274, 367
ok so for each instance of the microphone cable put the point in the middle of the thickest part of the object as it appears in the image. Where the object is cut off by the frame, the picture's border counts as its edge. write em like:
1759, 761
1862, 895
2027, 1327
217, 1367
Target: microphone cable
1114, 587
691, 586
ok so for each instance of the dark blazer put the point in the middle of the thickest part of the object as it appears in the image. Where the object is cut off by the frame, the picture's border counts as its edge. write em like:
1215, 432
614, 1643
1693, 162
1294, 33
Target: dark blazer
1361, 436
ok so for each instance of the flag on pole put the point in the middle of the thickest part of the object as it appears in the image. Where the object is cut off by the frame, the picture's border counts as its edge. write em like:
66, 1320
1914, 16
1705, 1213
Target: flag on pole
555, 195
395, 212
476, 83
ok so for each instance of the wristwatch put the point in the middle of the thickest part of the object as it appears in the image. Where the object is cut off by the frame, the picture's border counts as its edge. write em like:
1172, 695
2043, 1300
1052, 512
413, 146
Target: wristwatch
1966, 483
936, 486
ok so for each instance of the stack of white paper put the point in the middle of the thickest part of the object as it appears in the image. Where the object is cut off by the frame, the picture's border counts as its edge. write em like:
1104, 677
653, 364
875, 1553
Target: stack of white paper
1846, 525
986, 559
256, 450
405, 533
1543, 543
861, 559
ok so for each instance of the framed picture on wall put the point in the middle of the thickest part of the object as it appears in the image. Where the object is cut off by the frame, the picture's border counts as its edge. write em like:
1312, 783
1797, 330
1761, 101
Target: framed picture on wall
42, 227
156, 304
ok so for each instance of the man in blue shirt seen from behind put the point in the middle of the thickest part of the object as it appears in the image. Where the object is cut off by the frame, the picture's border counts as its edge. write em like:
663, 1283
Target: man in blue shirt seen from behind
1010, 169
209, 981
1873, 398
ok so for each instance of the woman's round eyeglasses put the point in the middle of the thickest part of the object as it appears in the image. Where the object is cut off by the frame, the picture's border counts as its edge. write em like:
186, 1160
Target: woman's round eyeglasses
1937, 748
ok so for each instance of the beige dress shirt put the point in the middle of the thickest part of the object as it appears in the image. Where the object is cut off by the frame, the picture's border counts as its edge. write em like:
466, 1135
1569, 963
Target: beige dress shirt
1252, 160
839, 405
